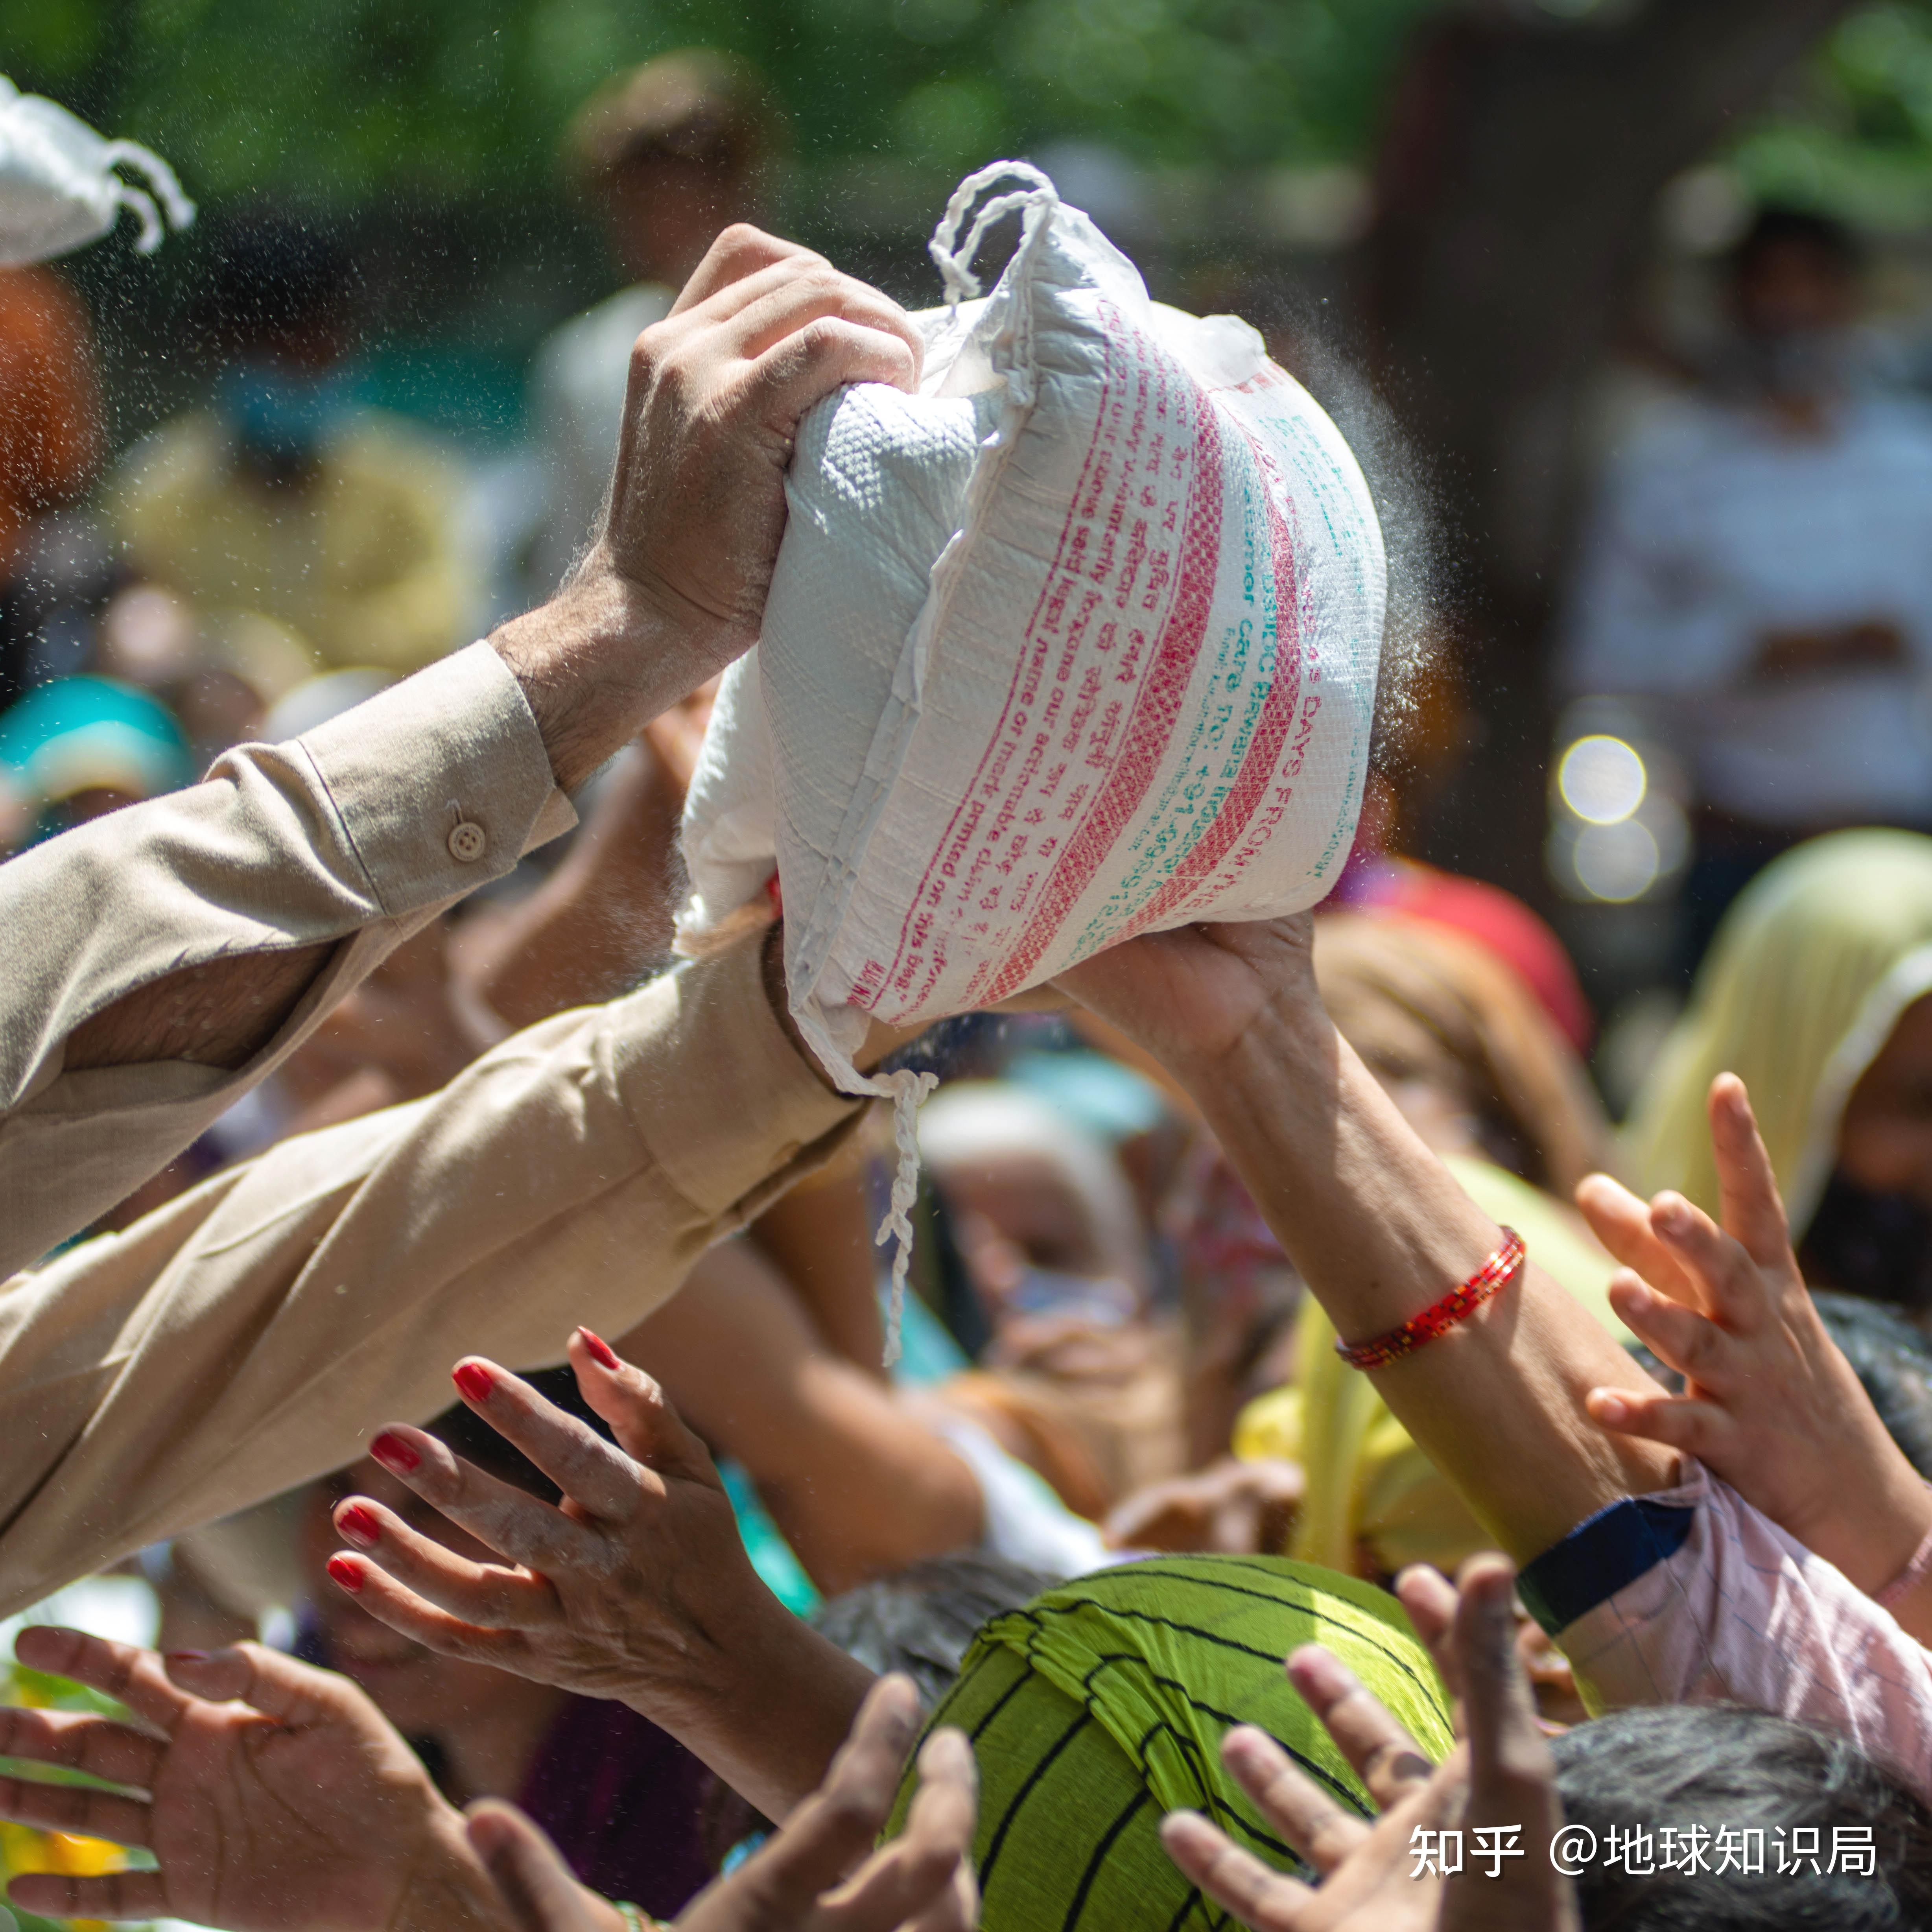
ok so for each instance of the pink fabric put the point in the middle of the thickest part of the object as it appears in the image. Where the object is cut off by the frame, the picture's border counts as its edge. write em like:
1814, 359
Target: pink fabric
1741, 1614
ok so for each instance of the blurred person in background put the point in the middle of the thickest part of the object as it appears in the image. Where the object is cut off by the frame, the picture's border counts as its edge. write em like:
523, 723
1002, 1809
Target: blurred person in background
1759, 568
1079, 1379
668, 153
1817, 993
285, 502
50, 438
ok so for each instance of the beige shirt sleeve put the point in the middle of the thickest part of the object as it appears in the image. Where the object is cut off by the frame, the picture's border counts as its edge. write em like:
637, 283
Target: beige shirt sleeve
343, 834
251, 1335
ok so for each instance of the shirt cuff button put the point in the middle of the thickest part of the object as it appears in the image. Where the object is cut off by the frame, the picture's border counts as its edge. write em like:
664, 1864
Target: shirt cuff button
467, 843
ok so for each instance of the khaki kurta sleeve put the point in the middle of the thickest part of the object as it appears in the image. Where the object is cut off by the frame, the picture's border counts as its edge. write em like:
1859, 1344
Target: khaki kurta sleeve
249, 1336
342, 834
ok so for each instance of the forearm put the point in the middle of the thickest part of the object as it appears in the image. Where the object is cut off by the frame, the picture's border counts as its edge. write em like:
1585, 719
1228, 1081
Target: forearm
592, 666
212, 928
819, 1238
219, 1014
599, 662
768, 1710
247, 1337
1379, 1231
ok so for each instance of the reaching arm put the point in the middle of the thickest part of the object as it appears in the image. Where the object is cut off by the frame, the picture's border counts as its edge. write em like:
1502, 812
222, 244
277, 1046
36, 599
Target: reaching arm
207, 931
639, 1589
1377, 1227
246, 1337
1770, 1403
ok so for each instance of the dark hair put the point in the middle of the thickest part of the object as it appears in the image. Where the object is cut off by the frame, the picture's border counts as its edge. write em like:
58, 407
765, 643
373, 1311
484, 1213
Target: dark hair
698, 105
1774, 228
466, 1434
1710, 1767
921, 1620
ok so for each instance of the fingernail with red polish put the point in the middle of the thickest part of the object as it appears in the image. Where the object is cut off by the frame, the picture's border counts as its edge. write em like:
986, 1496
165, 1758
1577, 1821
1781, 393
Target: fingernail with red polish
393, 1453
358, 1525
345, 1570
601, 1350
475, 1381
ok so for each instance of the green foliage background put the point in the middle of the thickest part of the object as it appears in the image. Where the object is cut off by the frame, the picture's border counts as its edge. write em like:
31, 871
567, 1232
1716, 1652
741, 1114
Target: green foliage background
1853, 134
343, 99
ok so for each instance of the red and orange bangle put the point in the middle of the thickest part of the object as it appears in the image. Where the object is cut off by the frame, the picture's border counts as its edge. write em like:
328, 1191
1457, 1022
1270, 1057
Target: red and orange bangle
1458, 1305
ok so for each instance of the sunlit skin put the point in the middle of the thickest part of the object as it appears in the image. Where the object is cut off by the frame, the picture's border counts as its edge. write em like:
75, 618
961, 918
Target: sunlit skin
488, 1722
1884, 1140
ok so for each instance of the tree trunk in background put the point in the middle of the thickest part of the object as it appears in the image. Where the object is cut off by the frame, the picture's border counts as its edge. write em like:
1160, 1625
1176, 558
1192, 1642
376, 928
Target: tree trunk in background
1515, 198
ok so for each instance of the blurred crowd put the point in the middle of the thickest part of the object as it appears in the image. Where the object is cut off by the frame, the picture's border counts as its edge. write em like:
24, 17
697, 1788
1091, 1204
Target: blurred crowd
1112, 1347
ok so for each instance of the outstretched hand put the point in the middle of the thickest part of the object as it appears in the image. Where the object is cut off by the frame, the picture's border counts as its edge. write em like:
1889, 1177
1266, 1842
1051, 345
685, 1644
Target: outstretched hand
1188, 996
1770, 1404
636, 1587
819, 1873
275, 1798
1373, 1878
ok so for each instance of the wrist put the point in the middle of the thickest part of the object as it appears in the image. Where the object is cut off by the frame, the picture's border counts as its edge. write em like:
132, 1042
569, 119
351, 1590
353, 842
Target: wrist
773, 1750
880, 1039
1875, 1547
445, 1887
599, 661
1288, 1047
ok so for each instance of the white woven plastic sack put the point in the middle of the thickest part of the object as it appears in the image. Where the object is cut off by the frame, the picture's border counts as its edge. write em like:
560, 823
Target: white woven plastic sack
58, 190
1079, 642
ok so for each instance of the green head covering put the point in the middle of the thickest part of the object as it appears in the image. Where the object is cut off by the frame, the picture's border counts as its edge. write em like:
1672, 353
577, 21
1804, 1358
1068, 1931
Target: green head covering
1808, 975
1101, 1706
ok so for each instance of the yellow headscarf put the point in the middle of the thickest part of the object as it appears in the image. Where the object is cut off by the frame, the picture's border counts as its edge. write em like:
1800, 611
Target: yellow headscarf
1808, 975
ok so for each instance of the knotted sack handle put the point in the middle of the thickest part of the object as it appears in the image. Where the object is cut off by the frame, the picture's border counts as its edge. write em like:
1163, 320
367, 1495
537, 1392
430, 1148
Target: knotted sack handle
953, 258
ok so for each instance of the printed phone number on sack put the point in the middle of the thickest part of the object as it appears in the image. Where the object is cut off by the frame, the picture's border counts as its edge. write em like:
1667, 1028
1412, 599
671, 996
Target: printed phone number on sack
1642, 1852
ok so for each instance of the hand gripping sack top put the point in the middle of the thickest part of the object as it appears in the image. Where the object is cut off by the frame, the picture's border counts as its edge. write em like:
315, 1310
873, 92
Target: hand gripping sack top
1078, 642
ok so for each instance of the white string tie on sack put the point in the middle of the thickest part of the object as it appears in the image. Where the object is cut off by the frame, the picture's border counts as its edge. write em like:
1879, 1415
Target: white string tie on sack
910, 1091
953, 258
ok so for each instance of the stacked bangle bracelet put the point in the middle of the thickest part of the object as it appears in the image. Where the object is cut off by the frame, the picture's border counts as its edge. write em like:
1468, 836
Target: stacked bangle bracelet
1457, 1306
